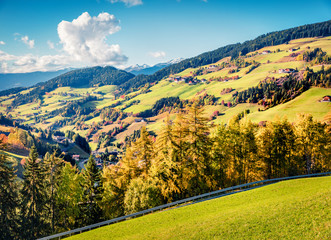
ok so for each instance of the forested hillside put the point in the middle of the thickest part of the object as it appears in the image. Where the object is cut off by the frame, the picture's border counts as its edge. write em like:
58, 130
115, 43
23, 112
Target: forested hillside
322, 29
86, 77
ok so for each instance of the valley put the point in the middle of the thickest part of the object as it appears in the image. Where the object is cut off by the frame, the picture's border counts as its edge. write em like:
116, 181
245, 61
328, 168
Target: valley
97, 143
220, 80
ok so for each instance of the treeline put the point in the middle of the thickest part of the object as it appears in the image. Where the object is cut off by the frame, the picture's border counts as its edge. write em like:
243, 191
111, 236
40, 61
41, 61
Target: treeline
186, 159
271, 92
317, 56
170, 104
15, 90
322, 29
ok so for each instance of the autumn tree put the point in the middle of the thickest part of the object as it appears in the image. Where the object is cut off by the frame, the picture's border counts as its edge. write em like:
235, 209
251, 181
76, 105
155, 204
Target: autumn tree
141, 194
313, 142
69, 197
167, 165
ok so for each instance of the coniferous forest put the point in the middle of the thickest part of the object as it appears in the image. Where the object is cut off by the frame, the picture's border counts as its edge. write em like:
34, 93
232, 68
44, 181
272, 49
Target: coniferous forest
187, 158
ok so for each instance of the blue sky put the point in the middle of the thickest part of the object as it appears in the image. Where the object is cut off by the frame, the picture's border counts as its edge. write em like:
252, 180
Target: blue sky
41, 35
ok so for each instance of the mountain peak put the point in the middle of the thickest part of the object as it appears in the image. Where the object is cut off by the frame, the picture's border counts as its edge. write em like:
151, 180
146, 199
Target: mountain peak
147, 69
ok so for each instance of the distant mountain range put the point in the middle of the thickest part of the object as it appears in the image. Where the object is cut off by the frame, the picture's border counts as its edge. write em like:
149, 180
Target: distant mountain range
147, 69
13, 80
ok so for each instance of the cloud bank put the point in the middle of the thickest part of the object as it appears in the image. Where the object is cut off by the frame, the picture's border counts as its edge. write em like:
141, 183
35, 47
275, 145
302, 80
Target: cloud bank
84, 43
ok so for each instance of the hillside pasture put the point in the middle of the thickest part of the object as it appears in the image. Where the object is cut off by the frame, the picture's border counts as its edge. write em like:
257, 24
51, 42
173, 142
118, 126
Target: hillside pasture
294, 209
308, 102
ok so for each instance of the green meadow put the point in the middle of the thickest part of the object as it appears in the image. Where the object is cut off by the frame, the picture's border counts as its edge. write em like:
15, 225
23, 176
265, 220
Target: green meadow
307, 102
294, 209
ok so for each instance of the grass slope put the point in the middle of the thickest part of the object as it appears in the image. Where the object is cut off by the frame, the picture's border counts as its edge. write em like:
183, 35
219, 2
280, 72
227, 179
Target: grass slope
296, 209
307, 102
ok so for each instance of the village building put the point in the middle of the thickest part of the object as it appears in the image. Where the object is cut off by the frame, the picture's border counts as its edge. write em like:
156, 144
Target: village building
286, 70
75, 157
326, 99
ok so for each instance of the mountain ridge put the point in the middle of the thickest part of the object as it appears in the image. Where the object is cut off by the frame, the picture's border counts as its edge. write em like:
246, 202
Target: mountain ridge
11, 80
150, 69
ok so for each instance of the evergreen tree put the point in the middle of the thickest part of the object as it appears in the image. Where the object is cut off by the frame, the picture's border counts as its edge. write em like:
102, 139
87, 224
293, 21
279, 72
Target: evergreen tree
33, 195
9, 201
92, 186
53, 165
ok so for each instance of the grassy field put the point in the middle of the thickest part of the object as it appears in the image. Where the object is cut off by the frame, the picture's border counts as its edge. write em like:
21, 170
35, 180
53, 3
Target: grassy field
295, 209
230, 112
307, 102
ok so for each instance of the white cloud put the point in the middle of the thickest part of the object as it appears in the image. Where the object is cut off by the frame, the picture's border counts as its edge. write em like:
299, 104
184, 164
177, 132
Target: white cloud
31, 63
85, 39
158, 54
29, 43
129, 3
50, 44
84, 42
2, 43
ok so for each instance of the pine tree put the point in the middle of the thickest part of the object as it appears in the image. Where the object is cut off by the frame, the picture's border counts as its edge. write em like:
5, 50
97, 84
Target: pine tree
34, 198
9, 201
52, 165
93, 189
